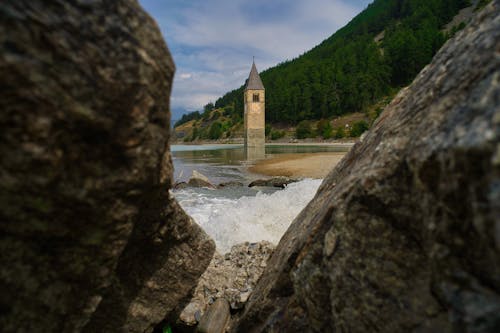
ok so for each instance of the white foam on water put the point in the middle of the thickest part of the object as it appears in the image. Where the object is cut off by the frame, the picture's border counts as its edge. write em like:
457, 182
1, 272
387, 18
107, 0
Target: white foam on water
253, 218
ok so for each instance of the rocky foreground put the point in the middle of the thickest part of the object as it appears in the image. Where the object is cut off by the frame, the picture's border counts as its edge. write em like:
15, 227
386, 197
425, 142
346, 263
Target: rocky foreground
90, 238
403, 236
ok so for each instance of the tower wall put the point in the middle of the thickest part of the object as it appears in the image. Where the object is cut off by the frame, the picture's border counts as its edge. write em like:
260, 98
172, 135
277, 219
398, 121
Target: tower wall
254, 118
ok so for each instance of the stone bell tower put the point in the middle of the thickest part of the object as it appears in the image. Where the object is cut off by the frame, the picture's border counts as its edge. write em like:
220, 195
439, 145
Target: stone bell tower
255, 116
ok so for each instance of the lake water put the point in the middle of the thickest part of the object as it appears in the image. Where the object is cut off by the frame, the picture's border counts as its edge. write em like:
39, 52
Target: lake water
238, 214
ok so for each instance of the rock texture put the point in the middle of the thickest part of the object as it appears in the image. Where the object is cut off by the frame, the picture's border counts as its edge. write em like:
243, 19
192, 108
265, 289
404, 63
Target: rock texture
231, 276
404, 235
199, 180
230, 184
216, 318
280, 182
90, 238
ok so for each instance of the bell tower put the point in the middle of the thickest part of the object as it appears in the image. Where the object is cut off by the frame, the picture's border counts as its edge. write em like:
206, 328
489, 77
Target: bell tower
255, 115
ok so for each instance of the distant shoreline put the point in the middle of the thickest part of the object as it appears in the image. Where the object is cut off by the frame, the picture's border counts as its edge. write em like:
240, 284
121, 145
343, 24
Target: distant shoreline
345, 144
287, 143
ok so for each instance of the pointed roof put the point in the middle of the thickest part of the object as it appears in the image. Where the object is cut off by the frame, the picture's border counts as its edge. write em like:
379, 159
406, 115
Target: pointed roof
254, 82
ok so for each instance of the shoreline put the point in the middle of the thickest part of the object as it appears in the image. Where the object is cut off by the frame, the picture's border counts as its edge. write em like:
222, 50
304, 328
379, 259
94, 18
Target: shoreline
299, 165
285, 143
291, 144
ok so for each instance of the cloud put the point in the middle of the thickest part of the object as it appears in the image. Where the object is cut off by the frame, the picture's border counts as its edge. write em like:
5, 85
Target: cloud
213, 41
202, 87
221, 23
185, 76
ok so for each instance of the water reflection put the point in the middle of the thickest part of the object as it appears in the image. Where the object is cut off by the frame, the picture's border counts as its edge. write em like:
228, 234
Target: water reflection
255, 153
221, 163
211, 154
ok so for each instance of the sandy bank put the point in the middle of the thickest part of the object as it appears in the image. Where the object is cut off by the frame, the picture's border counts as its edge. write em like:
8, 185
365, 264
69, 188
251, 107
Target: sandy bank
313, 165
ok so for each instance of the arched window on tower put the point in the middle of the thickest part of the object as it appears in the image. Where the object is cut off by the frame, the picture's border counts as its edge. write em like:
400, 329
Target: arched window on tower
255, 97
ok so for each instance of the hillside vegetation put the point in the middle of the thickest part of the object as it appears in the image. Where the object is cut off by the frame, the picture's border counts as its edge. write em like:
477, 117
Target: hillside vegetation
379, 51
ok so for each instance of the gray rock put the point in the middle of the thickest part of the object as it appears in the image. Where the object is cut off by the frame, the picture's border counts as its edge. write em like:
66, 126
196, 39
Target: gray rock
216, 318
280, 182
230, 184
180, 186
231, 276
403, 236
90, 238
196, 182
199, 180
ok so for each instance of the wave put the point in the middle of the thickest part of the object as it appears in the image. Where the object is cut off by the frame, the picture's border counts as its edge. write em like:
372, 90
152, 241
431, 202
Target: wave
230, 221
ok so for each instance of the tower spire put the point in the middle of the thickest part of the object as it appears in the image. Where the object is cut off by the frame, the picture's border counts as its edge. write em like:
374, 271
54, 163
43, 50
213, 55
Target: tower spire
254, 82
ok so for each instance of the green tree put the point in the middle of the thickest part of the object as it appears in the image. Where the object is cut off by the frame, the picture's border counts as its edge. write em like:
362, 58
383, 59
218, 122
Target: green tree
402, 51
209, 107
215, 131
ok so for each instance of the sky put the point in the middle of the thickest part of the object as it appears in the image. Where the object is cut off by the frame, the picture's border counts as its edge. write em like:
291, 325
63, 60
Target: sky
213, 41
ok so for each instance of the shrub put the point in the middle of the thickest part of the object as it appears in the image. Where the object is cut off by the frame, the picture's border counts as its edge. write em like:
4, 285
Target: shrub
324, 128
277, 134
304, 130
227, 111
202, 133
321, 125
236, 118
215, 131
215, 115
268, 129
227, 125
358, 128
327, 132
340, 133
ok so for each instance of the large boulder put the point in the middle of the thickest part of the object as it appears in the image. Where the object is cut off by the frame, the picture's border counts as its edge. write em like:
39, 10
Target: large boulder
90, 238
404, 235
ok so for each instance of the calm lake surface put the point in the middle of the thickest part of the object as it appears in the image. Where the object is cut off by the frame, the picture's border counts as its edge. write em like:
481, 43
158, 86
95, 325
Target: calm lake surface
227, 162
238, 214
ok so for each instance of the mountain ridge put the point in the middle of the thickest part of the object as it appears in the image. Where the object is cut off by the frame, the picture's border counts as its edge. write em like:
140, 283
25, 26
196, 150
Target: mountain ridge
351, 71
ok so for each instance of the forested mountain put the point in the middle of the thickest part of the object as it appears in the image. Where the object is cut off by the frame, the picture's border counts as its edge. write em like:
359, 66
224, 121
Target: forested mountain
380, 50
